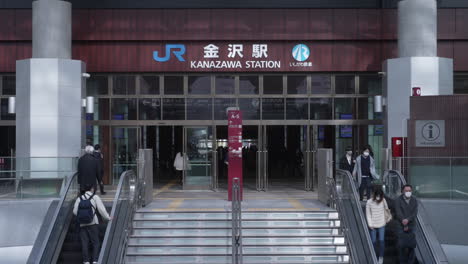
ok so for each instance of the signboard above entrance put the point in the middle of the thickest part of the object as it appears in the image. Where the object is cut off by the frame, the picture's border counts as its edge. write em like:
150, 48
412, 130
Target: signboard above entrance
233, 56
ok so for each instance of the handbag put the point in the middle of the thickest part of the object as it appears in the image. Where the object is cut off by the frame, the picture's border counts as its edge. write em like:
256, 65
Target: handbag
387, 213
407, 240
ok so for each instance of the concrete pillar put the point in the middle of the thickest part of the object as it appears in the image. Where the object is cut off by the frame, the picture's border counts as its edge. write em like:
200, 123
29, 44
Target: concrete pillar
417, 65
50, 86
417, 28
52, 29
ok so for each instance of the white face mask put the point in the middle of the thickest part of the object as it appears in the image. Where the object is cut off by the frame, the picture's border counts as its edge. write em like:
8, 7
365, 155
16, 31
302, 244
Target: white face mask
349, 153
408, 194
366, 153
377, 197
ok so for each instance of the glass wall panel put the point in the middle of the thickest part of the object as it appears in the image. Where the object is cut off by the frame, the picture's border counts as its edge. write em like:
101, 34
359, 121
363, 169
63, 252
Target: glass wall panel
4, 110
250, 108
124, 84
248, 84
9, 85
272, 84
173, 109
369, 84
149, 109
225, 84
174, 85
124, 150
220, 107
101, 110
199, 84
320, 108
149, 84
297, 84
124, 109
321, 84
365, 108
460, 84
344, 139
199, 109
97, 85
297, 108
344, 108
344, 84
273, 108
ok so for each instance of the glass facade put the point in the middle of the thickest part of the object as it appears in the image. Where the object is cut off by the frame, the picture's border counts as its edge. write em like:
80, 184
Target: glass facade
339, 107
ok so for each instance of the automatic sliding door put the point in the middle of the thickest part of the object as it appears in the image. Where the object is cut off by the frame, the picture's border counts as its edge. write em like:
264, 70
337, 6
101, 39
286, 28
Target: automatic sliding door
198, 151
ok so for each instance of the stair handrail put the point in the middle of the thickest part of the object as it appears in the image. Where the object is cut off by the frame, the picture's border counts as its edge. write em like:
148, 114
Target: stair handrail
429, 238
344, 187
236, 214
125, 204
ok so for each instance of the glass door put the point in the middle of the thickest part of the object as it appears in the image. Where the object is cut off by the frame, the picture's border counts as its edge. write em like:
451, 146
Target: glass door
198, 158
125, 144
262, 159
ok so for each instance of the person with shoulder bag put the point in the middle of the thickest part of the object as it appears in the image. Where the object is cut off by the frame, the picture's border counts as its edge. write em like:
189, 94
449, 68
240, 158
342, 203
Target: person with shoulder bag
378, 215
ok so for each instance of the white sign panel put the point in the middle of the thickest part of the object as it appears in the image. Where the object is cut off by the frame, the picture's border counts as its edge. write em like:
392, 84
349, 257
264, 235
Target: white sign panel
430, 133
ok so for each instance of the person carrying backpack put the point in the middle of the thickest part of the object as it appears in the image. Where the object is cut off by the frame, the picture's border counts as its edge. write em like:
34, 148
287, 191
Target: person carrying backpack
85, 211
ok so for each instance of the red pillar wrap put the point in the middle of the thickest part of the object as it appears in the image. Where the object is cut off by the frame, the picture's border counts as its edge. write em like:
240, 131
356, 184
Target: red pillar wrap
235, 150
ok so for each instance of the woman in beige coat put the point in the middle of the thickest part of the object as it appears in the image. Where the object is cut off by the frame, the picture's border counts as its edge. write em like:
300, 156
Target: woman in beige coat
375, 213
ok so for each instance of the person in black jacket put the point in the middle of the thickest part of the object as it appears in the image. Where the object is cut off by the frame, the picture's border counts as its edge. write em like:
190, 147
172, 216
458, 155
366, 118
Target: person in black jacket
406, 209
347, 161
98, 155
88, 169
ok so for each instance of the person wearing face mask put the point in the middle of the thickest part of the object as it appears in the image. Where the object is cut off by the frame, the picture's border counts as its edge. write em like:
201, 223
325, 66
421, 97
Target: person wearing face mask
406, 209
347, 161
364, 173
376, 209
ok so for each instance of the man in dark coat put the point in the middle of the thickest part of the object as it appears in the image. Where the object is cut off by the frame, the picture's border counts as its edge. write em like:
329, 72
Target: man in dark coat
88, 168
406, 208
98, 155
347, 161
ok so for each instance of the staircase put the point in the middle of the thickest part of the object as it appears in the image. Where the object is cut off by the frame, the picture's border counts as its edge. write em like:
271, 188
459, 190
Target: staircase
205, 237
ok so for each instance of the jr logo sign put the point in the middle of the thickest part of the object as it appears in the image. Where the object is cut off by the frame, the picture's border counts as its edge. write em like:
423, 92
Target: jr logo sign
177, 49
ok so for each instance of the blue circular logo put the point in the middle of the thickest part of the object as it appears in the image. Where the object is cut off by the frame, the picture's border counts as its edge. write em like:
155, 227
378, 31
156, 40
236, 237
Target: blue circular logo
300, 52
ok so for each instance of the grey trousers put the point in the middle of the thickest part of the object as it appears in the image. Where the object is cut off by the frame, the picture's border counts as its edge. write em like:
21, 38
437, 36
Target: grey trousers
90, 235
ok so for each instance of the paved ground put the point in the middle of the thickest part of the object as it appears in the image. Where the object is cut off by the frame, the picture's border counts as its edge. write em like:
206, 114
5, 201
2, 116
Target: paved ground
171, 197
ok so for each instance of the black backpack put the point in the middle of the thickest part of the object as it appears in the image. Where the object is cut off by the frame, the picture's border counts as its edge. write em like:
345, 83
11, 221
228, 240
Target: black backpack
86, 211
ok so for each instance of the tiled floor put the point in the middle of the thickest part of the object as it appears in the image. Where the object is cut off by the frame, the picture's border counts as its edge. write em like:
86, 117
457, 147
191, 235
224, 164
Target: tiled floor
172, 198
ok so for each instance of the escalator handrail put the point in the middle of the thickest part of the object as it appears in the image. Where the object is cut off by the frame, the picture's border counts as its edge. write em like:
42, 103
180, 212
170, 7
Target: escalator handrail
361, 217
47, 247
436, 249
111, 226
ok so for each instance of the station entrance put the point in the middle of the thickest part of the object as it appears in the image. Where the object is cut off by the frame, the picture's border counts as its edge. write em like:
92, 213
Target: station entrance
275, 157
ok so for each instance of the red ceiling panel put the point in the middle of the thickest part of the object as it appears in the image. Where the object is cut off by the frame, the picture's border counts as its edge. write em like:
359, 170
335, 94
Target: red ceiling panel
7, 22
369, 24
321, 24
345, 23
446, 24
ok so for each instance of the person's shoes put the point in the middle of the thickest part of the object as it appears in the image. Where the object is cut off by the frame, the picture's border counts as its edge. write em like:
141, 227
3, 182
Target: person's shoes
103, 193
381, 260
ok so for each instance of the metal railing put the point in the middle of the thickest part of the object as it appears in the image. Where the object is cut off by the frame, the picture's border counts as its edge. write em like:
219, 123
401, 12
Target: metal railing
345, 198
46, 249
236, 222
428, 249
126, 202
435, 177
34, 177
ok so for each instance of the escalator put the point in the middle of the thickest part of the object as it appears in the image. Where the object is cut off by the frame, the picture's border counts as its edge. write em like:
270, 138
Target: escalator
344, 197
58, 240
